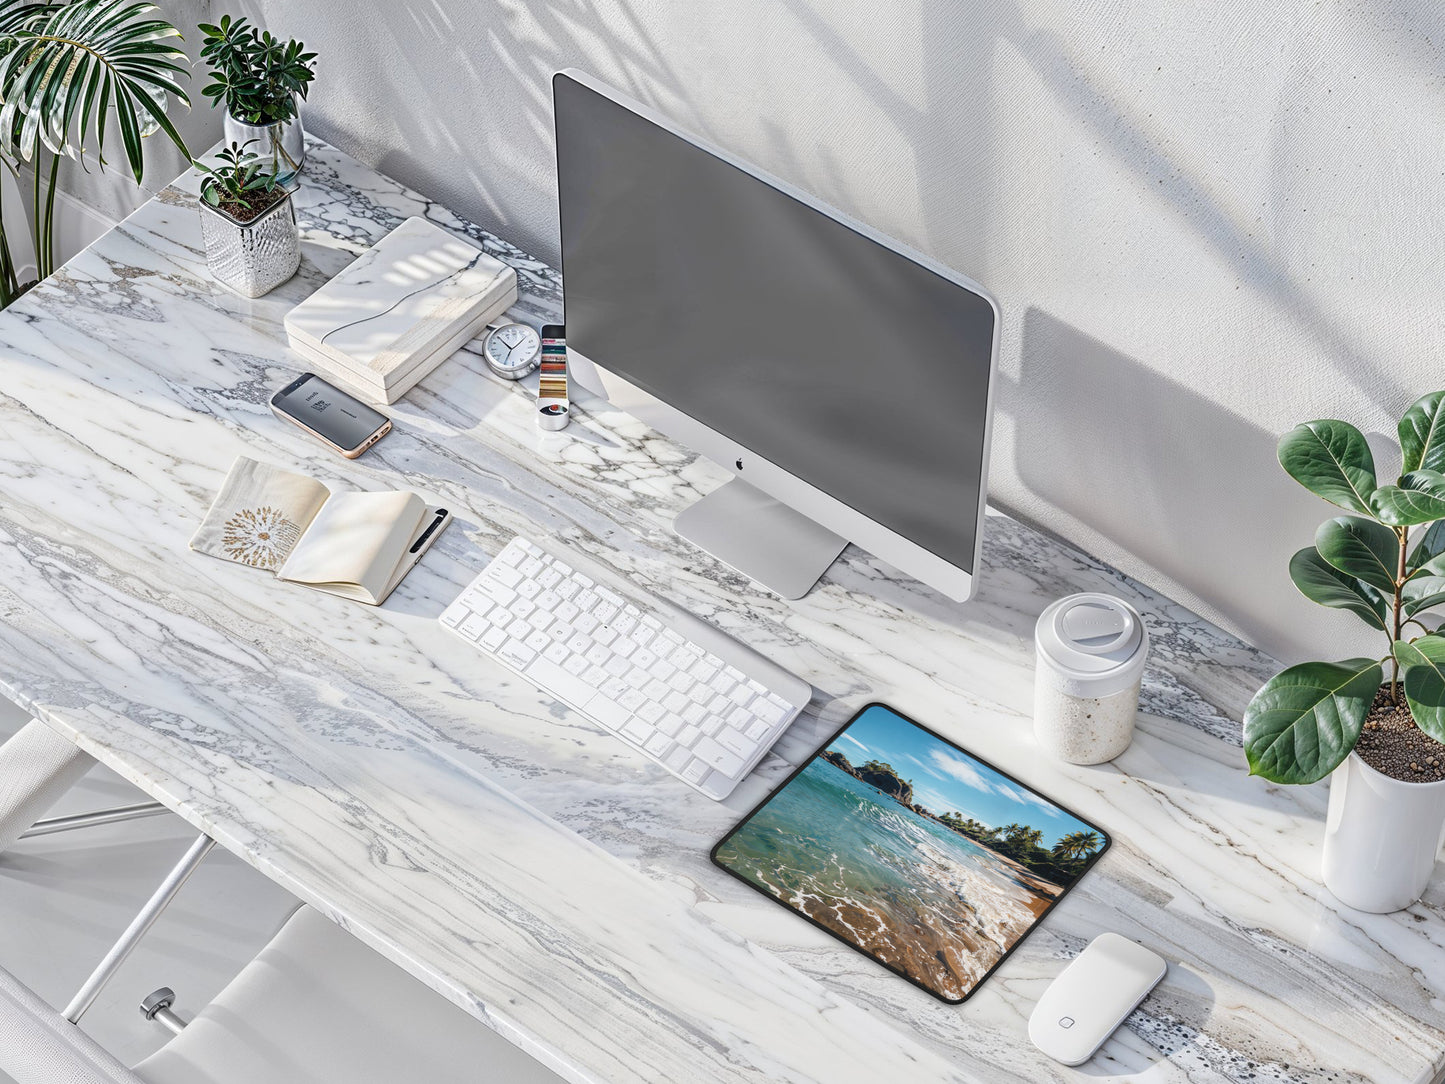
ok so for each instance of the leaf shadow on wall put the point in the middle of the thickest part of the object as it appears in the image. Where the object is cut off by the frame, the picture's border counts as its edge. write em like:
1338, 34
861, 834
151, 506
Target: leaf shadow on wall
1187, 487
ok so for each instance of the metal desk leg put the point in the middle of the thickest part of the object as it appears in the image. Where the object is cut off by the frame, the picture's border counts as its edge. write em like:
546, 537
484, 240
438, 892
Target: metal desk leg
37, 766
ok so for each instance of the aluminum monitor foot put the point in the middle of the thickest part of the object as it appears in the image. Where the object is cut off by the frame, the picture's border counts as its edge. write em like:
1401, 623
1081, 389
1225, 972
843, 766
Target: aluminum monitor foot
761, 537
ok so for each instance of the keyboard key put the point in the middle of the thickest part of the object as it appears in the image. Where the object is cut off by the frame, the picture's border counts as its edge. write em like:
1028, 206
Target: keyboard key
512, 554
715, 756
557, 653
734, 742
586, 623
612, 688
518, 655
530, 567
636, 730
757, 729
529, 547
674, 701
695, 772
655, 689
453, 616
607, 636
523, 607
473, 627
598, 655
518, 629
529, 589
506, 576
595, 675
609, 713
568, 612
575, 665
632, 700
695, 715
657, 744
539, 641
493, 638
677, 759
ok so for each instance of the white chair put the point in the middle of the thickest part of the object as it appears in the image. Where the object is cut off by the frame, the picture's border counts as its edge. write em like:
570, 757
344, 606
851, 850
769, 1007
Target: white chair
316, 1006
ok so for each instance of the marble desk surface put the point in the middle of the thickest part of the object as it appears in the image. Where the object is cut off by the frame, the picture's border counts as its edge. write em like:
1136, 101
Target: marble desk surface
528, 865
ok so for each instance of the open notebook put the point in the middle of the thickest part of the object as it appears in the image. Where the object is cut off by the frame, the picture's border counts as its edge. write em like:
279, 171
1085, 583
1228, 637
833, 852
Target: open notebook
356, 545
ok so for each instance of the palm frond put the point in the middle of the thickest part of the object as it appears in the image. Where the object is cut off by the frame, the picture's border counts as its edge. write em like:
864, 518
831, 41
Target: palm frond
67, 70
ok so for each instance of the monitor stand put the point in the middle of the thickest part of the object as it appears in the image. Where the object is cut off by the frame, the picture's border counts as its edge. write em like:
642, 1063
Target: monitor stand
761, 537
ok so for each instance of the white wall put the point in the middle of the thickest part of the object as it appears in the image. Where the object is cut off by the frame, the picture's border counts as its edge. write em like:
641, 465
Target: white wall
1205, 221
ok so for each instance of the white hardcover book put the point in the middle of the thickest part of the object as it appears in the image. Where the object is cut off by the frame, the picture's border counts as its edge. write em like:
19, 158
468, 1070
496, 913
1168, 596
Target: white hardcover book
401, 308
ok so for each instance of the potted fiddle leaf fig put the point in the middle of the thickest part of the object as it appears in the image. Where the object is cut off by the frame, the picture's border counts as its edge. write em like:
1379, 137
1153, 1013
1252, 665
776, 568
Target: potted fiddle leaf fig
1376, 725
247, 223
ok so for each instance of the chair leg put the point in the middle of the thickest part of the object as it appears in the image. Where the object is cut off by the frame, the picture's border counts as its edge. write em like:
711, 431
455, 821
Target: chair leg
37, 766
86, 995
52, 825
157, 1006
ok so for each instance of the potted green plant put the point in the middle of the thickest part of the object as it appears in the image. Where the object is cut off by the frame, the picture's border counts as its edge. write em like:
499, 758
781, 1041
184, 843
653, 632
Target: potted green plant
70, 75
1376, 723
248, 222
260, 80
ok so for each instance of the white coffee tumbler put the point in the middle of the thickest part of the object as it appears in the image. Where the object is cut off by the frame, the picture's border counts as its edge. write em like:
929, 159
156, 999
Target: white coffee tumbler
1091, 650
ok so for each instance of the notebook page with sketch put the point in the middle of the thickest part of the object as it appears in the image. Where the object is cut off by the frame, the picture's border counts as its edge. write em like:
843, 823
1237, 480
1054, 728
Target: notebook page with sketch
355, 545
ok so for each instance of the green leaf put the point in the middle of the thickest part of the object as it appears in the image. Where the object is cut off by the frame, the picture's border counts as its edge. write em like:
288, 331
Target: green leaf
1423, 663
1305, 720
1321, 582
1360, 548
1331, 459
1421, 593
1430, 545
71, 72
1419, 498
1422, 434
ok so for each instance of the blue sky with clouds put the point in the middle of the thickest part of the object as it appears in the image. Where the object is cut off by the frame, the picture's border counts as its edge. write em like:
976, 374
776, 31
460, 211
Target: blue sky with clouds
947, 780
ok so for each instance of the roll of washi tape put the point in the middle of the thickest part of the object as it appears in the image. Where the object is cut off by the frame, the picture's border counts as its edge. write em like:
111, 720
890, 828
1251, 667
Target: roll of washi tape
552, 407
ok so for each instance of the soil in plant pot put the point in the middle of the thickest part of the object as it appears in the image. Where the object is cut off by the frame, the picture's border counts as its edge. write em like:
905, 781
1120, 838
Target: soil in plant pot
1391, 743
261, 202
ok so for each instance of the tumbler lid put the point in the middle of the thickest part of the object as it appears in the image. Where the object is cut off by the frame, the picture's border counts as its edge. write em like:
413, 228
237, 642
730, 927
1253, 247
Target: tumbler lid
1095, 644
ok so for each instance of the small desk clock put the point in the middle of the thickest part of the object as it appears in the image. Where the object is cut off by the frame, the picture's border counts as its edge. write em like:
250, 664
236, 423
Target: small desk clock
512, 350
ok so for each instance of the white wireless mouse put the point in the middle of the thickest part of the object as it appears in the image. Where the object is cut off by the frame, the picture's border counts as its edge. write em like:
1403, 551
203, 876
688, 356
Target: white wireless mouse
1092, 996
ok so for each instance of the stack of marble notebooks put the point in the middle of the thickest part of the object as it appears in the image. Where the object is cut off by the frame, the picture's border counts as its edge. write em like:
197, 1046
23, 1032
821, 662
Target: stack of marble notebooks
399, 310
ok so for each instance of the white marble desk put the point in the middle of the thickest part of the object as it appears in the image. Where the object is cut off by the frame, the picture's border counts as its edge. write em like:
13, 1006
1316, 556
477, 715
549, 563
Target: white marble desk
529, 866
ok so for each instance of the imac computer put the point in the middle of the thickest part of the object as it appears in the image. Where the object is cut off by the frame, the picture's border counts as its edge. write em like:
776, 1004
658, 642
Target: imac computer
843, 378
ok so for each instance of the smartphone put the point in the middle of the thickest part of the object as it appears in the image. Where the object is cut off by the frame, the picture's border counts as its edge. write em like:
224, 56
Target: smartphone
340, 421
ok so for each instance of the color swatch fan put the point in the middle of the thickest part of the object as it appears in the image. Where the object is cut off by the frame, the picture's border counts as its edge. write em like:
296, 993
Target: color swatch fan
400, 309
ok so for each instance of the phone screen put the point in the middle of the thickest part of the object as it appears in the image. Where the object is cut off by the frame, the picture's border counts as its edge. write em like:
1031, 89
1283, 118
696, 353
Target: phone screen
328, 411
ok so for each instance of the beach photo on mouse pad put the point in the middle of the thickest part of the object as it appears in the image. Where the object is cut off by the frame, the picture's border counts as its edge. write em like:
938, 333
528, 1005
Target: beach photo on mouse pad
913, 851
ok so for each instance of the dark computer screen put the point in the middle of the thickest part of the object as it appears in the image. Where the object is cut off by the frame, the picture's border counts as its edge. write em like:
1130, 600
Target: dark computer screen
840, 360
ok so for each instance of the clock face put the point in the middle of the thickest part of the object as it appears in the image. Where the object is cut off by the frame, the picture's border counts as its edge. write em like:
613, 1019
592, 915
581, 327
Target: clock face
513, 349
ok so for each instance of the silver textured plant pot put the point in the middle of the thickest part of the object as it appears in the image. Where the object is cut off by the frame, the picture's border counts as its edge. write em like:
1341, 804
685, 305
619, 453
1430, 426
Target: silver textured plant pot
282, 146
252, 257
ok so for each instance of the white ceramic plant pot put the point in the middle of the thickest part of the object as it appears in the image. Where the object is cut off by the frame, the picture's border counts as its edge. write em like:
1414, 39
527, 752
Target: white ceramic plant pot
1381, 837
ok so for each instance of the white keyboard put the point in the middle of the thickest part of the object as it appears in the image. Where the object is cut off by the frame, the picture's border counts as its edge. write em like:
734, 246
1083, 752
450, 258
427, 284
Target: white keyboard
695, 700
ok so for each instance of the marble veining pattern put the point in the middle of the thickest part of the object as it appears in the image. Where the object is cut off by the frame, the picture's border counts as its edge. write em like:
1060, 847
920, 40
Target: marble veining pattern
532, 868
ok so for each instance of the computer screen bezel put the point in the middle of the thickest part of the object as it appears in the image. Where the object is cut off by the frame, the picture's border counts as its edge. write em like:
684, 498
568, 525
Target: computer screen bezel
773, 478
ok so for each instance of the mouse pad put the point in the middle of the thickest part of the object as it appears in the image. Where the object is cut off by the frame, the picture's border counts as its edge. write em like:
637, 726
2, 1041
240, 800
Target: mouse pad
913, 851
